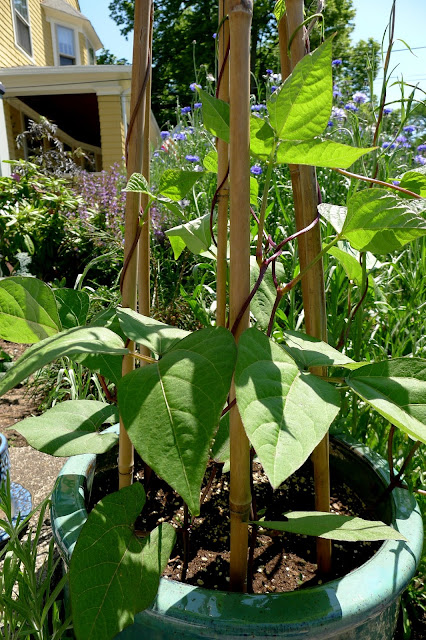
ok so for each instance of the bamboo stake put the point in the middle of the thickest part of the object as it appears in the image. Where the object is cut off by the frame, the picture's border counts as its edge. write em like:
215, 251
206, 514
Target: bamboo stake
223, 163
144, 293
240, 16
134, 164
305, 196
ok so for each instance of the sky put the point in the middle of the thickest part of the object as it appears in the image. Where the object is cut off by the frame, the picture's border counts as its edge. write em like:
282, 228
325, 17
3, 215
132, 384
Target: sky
370, 21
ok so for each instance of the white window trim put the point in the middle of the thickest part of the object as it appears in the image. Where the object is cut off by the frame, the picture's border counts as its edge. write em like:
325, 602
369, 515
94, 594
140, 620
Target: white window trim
55, 45
30, 56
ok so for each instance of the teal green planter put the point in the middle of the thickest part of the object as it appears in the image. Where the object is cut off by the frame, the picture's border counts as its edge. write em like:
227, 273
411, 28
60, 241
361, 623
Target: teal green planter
361, 606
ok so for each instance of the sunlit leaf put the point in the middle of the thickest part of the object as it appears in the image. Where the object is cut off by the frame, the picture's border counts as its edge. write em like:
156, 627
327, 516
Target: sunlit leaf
71, 428
333, 527
28, 311
175, 184
319, 153
215, 115
155, 335
194, 234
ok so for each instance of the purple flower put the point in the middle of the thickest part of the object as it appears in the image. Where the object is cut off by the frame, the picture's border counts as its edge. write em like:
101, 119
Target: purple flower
406, 145
269, 72
256, 170
388, 145
179, 136
351, 107
185, 110
410, 128
401, 139
258, 107
338, 113
198, 105
396, 183
16, 176
421, 147
164, 135
359, 97
336, 63
214, 35
192, 158
336, 92
273, 88
387, 110
420, 160
194, 86
330, 123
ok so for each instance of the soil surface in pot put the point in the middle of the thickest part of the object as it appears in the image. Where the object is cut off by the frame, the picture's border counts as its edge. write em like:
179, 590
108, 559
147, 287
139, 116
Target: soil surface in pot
278, 561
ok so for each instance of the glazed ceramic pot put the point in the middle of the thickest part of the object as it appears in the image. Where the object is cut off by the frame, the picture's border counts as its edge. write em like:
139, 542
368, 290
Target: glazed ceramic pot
362, 605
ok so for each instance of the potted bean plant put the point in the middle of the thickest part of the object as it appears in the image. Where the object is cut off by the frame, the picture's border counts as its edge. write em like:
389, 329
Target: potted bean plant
241, 394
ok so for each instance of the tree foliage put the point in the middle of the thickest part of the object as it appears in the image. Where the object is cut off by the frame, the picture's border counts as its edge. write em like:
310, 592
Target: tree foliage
184, 43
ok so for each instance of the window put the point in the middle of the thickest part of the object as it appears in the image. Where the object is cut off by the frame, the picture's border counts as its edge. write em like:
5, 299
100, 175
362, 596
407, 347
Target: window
90, 53
22, 25
66, 47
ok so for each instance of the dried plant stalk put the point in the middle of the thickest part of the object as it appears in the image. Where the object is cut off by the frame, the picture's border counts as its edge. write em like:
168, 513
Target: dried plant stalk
305, 197
240, 15
223, 164
142, 23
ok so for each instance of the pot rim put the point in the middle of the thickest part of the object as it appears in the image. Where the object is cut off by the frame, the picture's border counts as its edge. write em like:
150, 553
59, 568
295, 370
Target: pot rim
362, 594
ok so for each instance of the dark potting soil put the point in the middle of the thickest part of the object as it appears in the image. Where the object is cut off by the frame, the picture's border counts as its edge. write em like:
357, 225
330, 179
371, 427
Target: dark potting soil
280, 561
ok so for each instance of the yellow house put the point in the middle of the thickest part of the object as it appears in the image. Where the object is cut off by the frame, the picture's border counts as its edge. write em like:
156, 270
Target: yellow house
48, 67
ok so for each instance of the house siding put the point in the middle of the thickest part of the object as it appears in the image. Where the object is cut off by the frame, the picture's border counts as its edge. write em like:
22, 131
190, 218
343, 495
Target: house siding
10, 53
112, 129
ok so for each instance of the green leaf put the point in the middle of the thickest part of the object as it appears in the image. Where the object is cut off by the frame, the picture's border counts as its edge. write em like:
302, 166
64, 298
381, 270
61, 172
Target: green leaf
171, 409
155, 335
261, 138
70, 428
319, 153
220, 450
350, 264
80, 340
254, 191
311, 352
28, 311
194, 234
413, 181
334, 214
113, 573
210, 161
334, 527
73, 307
175, 184
138, 183
215, 115
380, 222
279, 9
285, 412
301, 107
397, 390
263, 301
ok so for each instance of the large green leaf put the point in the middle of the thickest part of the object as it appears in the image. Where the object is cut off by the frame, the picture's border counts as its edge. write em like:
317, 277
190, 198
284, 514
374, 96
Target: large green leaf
319, 153
220, 450
261, 138
194, 234
285, 412
301, 108
171, 409
175, 184
210, 161
155, 335
71, 428
80, 340
333, 527
73, 306
113, 573
263, 301
413, 181
380, 222
311, 352
215, 115
28, 311
397, 390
